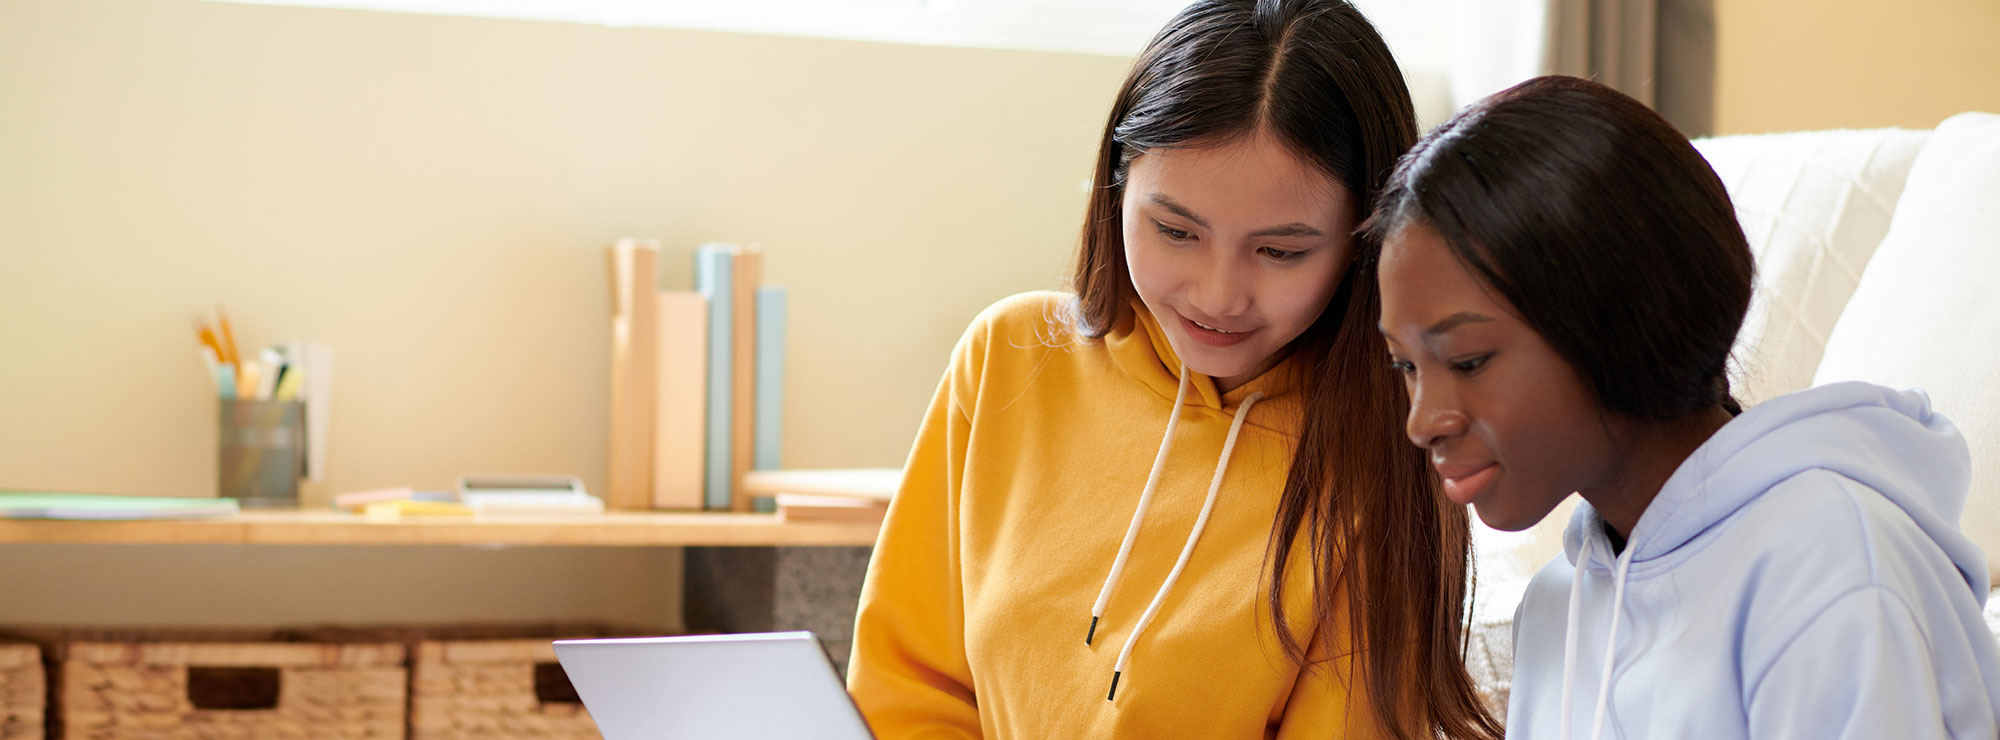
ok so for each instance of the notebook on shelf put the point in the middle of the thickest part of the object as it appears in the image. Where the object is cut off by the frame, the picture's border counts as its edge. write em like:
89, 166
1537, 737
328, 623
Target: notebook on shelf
109, 507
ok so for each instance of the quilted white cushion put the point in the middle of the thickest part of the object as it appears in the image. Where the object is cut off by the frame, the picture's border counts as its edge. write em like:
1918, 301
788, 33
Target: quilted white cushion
1927, 314
1814, 206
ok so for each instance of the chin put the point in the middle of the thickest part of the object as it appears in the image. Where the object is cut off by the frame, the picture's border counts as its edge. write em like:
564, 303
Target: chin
1217, 369
1505, 519
1215, 362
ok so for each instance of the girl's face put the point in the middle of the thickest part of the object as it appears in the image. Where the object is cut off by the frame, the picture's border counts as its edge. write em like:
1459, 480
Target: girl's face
1509, 424
1235, 249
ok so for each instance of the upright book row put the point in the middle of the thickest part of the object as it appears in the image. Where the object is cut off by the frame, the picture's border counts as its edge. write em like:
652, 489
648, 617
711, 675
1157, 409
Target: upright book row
696, 378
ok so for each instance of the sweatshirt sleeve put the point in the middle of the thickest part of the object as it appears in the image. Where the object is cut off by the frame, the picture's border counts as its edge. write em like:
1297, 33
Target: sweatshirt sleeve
1860, 669
909, 674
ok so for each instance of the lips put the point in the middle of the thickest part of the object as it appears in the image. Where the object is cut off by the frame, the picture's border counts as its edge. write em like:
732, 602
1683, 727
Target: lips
1212, 334
1465, 482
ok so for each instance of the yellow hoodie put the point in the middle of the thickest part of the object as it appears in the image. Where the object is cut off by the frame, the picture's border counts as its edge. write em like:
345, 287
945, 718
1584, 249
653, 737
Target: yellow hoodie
1017, 498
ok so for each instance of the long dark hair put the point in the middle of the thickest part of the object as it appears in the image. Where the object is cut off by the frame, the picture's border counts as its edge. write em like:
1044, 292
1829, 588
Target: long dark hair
1390, 557
1602, 225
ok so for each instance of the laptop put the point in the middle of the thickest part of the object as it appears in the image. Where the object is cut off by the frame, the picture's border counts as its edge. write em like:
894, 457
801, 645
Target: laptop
712, 687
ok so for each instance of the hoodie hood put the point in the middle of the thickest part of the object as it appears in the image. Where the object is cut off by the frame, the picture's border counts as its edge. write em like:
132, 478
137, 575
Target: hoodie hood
1141, 350
1889, 440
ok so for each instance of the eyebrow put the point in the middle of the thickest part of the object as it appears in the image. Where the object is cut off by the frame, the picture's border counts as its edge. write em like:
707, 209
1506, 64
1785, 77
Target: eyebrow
1454, 321
1294, 228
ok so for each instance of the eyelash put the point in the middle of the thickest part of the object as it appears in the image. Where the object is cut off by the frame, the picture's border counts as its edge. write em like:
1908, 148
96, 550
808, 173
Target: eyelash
1277, 255
1466, 366
1471, 365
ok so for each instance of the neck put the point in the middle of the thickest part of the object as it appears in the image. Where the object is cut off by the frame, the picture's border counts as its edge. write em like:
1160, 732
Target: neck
1651, 452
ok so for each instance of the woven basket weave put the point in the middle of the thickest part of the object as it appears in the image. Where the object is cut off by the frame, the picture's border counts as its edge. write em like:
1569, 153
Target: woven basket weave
493, 690
244, 690
23, 692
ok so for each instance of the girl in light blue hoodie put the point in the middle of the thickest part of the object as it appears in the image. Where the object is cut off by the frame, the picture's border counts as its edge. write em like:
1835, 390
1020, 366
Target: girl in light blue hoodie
1562, 279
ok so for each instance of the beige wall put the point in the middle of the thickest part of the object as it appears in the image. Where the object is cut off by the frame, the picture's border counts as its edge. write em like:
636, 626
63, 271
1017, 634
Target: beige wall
1785, 65
430, 197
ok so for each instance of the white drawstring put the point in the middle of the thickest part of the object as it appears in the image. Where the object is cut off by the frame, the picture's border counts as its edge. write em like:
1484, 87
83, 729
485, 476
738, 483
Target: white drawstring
1139, 514
1611, 643
1187, 550
1571, 636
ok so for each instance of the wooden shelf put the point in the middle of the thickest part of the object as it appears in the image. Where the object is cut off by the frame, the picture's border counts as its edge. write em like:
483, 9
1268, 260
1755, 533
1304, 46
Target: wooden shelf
294, 527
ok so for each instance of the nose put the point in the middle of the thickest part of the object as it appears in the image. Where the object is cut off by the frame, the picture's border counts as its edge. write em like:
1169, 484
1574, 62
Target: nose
1223, 288
1434, 417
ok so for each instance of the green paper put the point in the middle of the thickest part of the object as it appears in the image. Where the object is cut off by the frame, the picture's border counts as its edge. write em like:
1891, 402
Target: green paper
48, 505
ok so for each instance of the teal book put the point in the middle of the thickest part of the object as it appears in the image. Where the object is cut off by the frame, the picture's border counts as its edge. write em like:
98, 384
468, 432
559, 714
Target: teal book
99, 507
714, 279
769, 402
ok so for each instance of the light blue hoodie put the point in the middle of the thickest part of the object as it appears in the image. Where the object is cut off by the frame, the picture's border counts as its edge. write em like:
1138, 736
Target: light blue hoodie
1801, 575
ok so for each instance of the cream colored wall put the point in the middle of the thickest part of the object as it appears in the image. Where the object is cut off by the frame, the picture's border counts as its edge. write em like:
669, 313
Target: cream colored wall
1784, 65
430, 197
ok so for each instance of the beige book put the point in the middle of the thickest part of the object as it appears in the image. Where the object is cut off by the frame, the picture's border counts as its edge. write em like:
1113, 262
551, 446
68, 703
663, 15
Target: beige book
634, 357
680, 399
798, 507
879, 484
749, 273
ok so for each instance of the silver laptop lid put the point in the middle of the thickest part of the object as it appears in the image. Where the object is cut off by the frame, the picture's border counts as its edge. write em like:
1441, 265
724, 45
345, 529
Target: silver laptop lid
712, 687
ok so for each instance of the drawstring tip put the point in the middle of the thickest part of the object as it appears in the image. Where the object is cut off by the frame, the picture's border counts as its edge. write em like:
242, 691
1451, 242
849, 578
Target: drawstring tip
1114, 687
1093, 631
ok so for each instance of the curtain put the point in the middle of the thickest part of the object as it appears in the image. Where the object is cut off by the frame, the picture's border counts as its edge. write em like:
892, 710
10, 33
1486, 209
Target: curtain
1660, 52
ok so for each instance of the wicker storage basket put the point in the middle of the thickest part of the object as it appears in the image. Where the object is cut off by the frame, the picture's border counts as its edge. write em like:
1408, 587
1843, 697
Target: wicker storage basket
23, 692
146, 690
499, 683
493, 690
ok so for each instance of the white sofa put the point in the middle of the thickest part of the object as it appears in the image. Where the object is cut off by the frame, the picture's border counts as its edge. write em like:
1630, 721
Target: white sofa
1878, 257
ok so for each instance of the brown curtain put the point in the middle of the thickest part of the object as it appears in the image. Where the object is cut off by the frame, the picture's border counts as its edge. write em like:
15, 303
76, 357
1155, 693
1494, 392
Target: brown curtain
1661, 52
1614, 42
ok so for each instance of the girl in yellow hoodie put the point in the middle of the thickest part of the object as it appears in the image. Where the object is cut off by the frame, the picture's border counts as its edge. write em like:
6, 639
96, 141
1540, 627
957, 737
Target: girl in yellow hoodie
1104, 530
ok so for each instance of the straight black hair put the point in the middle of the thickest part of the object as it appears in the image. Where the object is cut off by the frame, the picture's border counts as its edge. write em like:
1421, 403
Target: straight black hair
1602, 225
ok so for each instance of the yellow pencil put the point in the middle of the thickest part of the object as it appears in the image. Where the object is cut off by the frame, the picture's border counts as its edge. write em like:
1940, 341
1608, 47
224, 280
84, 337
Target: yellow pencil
207, 337
229, 356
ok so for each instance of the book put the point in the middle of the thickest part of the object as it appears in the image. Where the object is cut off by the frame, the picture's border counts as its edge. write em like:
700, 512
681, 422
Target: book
679, 401
412, 508
770, 397
878, 484
357, 500
748, 273
714, 279
814, 507
106, 507
634, 336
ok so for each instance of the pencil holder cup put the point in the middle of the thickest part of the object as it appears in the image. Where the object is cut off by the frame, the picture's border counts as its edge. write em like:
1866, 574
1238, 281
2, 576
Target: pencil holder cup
261, 452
